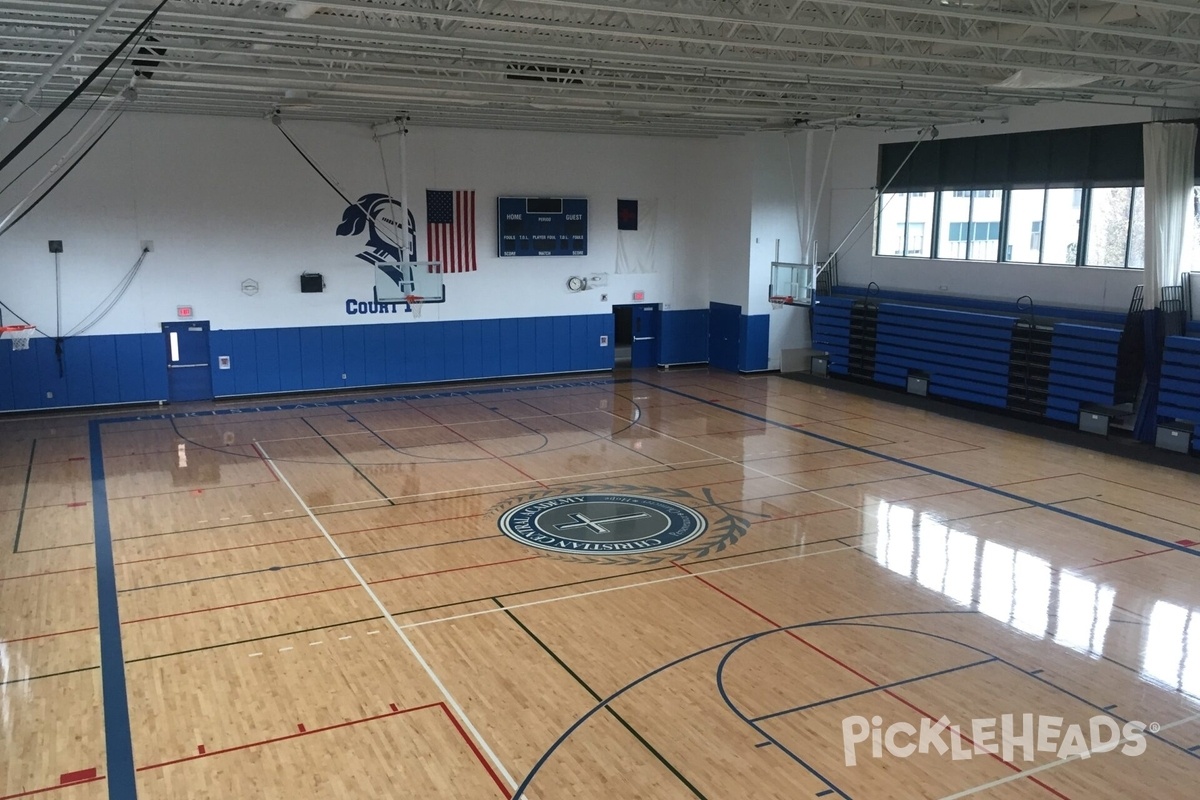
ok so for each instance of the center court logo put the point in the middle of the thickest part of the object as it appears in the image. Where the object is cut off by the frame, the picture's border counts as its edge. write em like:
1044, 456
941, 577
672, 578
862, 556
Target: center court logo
1005, 737
602, 523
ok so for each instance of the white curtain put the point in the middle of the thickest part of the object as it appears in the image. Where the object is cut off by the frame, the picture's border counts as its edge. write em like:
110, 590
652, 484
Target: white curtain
635, 249
1170, 153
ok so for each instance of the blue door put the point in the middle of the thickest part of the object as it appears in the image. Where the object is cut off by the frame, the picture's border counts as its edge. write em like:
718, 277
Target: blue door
645, 336
189, 376
724, 335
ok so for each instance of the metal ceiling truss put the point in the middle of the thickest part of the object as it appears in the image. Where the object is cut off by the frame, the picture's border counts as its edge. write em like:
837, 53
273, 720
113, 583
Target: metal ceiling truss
674, 67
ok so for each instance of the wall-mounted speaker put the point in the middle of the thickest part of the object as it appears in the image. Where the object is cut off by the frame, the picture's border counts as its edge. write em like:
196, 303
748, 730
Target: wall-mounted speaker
312, 282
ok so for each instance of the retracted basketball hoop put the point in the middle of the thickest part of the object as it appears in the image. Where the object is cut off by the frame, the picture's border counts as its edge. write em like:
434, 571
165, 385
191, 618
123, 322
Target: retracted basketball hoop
18, 334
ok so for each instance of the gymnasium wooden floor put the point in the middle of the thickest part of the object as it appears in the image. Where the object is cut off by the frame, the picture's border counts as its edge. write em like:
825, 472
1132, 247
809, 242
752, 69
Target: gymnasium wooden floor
315, 599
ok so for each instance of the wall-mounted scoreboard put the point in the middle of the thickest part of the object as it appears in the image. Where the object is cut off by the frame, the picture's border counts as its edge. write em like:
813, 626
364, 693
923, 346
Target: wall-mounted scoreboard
542, 226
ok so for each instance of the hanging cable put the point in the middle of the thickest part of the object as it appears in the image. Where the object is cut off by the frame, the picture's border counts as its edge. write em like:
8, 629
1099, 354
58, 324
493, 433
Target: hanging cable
387, 187
61, 175
81, 88
15, 314
932, 132
311, 163
110, 300
75, 124
332, 184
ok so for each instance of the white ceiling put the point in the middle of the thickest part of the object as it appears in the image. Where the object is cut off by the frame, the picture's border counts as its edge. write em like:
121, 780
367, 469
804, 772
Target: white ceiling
674, 67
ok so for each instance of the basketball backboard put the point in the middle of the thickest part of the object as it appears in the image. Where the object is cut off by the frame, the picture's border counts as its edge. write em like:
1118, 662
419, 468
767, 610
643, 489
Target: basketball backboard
397, 281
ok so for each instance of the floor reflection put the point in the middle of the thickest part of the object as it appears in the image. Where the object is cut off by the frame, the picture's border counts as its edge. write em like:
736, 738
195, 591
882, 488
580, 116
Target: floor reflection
1029, 594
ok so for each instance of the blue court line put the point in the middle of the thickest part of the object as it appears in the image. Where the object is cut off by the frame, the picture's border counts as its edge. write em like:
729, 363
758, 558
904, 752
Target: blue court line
118, 739
1032, 674
872, 690
827, 791
357, 401
931, 471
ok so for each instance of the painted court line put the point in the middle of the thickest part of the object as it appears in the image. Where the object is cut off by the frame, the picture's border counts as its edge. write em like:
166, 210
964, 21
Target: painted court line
940, 474
1051, 765
118, 738
635, 585
458, 709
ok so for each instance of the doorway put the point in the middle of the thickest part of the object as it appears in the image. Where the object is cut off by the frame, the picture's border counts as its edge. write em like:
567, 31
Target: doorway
189, 376
635, 331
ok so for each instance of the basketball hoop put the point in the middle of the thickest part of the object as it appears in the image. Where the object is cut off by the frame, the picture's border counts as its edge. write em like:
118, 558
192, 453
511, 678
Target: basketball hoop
778, 301
19, 334
414, 301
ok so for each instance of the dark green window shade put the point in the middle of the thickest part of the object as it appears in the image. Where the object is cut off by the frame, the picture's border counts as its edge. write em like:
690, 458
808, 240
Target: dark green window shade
1073, 156
1069, 156
1029, 162
920, 173
1116, 154
958, 163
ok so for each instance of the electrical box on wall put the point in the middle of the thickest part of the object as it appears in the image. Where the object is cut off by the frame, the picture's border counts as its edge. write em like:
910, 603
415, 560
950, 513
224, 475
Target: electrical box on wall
312, 282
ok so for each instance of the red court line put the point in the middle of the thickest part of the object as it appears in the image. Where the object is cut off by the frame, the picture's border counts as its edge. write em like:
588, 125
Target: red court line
47, 635
77, 776
478, 755
853, 671
297, 735
480, 447
190, 490
323, 591
1127, 558
302, 731
31, 792
217, 550
451, 569
240, 605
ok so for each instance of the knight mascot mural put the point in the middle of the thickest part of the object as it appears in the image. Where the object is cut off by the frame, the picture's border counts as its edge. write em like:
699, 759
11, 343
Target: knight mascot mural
377, 215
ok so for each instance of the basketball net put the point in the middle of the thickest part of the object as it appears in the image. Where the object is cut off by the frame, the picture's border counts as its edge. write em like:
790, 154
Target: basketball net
18, 334
414, 304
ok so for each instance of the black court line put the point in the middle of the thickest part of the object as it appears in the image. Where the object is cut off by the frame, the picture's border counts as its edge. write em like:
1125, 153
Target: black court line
317, 562
1036, 674
533, 590
28, 678
873, 689
354, 466
276, 568
940, 474
612, 712
24, 498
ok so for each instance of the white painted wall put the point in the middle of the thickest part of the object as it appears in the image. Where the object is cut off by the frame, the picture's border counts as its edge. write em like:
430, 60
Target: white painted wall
227, 199
787, 195
854, 178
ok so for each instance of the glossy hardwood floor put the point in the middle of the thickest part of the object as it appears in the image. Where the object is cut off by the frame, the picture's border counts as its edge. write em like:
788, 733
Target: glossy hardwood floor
314, 600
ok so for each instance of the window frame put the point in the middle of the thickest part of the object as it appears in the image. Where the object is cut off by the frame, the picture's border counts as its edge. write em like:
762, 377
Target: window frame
1005, 193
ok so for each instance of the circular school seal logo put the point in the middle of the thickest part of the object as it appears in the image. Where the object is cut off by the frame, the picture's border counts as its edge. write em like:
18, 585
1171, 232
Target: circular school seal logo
582, 524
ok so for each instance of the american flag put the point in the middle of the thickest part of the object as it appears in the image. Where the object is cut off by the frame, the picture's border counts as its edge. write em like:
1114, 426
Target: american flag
450, 220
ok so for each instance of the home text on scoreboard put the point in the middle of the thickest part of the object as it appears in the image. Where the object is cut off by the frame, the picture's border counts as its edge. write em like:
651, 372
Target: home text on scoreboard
542, 226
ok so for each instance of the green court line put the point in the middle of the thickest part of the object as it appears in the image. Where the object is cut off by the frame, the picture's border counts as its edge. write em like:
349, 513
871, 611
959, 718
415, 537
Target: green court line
662, 759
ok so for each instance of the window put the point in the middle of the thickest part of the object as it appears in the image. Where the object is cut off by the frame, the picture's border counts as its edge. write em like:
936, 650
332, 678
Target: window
1037, 226
970, 226
1116, 228
1043, 225
903, 220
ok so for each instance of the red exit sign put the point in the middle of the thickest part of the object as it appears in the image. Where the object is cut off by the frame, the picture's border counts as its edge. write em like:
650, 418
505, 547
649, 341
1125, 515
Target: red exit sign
184, 312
